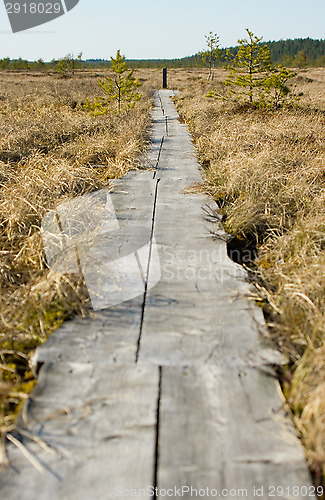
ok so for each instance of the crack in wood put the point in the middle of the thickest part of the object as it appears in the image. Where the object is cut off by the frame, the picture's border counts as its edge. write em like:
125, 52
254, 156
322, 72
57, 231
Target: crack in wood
147, 272
155, 481
158, 158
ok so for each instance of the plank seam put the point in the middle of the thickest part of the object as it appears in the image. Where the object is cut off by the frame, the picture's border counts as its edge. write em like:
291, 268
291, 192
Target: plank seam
148, 270
150, 247
158, 158
161, 103
155, 482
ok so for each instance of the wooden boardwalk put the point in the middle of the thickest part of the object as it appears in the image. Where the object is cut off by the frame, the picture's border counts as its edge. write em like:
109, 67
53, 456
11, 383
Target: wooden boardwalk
172, 389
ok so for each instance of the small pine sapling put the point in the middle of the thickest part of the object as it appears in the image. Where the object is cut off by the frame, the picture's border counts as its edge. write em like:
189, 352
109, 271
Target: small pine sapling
276, 88
248, 67
65, 65
120, 89
253, 79
211, 54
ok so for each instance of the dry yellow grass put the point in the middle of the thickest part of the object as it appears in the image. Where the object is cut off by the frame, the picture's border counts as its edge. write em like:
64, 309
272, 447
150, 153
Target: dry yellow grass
49, 147
266, 169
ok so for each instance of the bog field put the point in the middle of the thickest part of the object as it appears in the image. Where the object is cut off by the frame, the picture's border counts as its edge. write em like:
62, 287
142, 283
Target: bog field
264, 167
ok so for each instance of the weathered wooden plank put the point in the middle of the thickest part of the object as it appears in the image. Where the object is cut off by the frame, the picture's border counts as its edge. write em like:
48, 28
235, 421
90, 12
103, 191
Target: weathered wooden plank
198, 312
112, 333
107, 336
223, 429
157, 133
103, 426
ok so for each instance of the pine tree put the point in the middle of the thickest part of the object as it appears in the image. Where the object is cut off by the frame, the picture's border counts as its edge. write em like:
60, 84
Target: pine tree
276, 90
247, 68
300, 61
212, 52
120, 89
253, 79
287, 61
66, 65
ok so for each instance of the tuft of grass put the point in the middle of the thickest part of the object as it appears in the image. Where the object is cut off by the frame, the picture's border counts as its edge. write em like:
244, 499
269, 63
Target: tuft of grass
266, 169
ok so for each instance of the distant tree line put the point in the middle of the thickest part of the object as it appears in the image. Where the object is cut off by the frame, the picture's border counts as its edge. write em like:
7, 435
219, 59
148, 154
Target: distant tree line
67, 64
300, 52
297, 52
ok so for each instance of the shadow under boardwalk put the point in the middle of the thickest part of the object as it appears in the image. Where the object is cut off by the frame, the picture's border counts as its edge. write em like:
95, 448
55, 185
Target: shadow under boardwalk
170, 388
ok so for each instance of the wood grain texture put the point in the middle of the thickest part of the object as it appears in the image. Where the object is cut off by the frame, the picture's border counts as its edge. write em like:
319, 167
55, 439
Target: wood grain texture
102, 426
224, 428
110, 334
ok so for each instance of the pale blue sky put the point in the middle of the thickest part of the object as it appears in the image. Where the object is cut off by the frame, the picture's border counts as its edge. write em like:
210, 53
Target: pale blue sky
166, 29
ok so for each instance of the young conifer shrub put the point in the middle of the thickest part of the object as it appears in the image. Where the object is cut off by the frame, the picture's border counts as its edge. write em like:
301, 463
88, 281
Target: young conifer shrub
120, 89
253, 79
211, 54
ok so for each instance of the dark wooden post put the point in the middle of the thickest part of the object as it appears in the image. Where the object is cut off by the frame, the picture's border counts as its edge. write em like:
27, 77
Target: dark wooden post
164, 78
